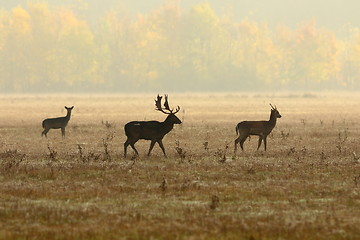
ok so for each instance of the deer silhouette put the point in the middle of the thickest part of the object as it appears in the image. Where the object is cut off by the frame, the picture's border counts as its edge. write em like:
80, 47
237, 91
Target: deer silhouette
151, 130
56, 123
257, 128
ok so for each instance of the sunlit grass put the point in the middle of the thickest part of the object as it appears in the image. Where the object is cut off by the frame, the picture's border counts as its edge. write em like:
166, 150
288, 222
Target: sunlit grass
307, 186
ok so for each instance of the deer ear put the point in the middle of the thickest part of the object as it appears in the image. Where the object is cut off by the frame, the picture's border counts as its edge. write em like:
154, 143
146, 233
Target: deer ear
72, 107
65, 107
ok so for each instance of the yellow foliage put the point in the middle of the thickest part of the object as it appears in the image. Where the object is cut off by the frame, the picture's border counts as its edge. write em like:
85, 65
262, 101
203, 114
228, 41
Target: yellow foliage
355, 51
248, 28
21, 20
3, 28
307, 31
39, 9
69, 20
168, 44
205, 14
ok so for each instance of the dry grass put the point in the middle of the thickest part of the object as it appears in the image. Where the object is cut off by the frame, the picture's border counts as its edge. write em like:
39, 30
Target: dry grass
307, 186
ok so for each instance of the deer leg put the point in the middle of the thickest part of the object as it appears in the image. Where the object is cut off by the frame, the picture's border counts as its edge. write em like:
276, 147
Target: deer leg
242, 143
63, 132
265, 143
260, 140
151, 146
132, 144
162, 147
236, 143
45, 132
126, 144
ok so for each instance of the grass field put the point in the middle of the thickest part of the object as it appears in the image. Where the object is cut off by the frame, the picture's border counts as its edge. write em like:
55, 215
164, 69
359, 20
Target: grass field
306, 186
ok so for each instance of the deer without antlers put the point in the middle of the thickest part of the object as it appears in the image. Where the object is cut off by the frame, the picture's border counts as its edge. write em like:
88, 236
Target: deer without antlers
57, 123
258, 128
151, 130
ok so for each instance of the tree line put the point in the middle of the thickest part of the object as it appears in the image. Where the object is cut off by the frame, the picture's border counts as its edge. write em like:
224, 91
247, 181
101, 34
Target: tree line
47, 48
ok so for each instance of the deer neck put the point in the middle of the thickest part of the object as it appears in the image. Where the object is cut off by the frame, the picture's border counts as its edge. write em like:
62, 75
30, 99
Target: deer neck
272, 121
68, 115
168, 125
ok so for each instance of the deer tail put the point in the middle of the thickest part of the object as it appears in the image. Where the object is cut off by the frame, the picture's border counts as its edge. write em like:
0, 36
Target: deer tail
237, 130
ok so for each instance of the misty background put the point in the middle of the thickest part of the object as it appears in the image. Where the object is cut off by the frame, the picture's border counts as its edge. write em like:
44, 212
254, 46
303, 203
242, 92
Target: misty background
179, 45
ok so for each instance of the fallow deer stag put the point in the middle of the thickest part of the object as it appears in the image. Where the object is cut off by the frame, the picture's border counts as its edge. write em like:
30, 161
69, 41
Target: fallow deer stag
151, 130
56, 123
258, 128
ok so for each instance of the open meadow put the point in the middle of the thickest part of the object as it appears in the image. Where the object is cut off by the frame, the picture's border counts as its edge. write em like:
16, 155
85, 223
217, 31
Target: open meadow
306, 186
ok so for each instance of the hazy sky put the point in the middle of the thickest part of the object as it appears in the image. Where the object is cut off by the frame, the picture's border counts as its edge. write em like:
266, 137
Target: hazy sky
90, 54
328, 13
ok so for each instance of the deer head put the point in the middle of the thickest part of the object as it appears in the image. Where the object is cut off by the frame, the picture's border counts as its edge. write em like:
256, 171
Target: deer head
274, 111
171, 118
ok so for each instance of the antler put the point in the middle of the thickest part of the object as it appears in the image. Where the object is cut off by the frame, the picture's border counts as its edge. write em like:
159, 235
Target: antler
158, 104
272, 107
166, 105
177, 109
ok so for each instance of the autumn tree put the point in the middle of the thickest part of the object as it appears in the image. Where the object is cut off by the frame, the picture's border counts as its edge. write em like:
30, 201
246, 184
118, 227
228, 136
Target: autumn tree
45, 47
314, 56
